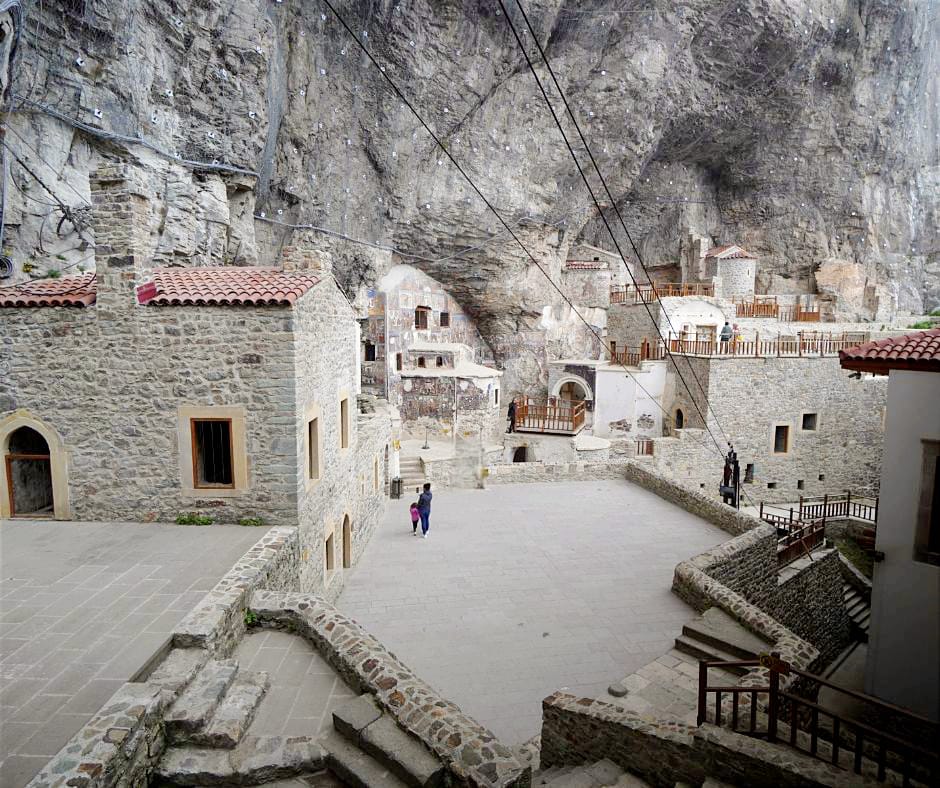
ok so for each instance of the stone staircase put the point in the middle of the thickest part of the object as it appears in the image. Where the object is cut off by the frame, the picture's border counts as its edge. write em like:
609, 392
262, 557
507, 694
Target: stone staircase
412, 476
717, 636
209, 742
595, 775
859, 611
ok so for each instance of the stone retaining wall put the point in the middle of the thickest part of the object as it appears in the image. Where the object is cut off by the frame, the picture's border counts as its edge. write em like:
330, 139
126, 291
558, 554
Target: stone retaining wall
578, 730
218, 622
472, 754
521, 472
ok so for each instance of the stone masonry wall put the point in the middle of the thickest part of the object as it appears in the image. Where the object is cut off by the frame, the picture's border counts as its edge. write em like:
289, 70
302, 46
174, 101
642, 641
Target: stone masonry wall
627, 324
326, 347
111, 389
749, 397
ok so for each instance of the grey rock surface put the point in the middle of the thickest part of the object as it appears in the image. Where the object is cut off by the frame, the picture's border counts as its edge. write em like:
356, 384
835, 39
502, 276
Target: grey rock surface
805, 131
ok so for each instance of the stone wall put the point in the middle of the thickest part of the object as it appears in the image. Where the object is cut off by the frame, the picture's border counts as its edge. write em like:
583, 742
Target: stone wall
521, 472
665, 753
628, 324
471, 753
464, 468
428, 403
750, 397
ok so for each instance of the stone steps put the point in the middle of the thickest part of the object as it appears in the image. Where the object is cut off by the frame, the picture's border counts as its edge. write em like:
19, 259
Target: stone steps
859, 611
255, 761
355, 767
363, 724
233, 716
179, 668
193, 709
716, 636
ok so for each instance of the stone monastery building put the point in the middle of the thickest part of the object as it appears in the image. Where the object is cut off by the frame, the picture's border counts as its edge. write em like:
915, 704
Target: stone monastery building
227, 392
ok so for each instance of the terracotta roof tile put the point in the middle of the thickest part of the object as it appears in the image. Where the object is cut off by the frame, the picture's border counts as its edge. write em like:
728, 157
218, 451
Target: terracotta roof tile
728, 252
586, 265
919, 352
225, 286
68, 291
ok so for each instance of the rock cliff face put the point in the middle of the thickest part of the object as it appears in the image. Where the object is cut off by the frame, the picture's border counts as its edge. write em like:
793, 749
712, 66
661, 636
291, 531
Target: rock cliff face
805, 131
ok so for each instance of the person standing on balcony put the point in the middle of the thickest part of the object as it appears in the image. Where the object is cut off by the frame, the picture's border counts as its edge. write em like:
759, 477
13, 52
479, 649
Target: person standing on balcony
511, 415
725, 336
424, 509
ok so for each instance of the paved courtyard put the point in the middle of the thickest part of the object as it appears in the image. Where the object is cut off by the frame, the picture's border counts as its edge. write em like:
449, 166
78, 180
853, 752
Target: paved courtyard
83, 606
524, 589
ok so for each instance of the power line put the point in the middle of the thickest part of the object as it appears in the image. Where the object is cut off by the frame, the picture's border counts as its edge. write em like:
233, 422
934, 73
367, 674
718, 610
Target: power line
483, 197
597, 204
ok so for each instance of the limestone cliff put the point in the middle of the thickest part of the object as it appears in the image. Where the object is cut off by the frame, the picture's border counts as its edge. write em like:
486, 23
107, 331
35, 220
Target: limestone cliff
805, 131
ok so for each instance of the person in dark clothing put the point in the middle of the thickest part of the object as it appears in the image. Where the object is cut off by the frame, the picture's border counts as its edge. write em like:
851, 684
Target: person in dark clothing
512, 416
424, 509
726, 332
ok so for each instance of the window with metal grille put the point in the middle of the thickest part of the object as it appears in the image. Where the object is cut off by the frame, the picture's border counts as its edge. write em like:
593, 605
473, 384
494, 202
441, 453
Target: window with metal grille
445, 319
212, 453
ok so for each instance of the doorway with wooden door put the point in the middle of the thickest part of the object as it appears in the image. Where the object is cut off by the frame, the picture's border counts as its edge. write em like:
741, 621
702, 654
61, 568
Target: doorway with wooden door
29, 474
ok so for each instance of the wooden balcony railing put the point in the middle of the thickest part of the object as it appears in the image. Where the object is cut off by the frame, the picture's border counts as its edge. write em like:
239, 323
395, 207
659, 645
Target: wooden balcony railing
644, 447
839, 505
799, 314
800, 540
861, 747
812, 344
632, 356
647, 294
560, 416
767, 306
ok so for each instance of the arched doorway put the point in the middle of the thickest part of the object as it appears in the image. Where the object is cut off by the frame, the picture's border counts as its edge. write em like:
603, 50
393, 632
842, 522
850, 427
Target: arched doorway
29, 474
573, 391
521, 454
347, 543
680, 419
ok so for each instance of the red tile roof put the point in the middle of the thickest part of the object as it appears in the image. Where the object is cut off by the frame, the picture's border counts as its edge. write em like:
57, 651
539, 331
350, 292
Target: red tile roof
728, 252
225, 286
585, 265
68, 291
919, 352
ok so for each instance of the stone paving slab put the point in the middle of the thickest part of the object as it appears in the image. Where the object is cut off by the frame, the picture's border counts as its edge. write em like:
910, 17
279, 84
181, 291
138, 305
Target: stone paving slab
521, 590
83, 606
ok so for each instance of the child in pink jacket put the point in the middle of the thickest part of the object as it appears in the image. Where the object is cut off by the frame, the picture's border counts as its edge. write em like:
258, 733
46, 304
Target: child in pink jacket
415, 516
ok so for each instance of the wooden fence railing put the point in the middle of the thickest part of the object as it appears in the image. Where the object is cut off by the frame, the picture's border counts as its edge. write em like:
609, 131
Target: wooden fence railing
801, 345
647, 294
644, 447
767, 306
799, 541
760, 306
632, 356
799, 314
842, 741
557, 416
839, 505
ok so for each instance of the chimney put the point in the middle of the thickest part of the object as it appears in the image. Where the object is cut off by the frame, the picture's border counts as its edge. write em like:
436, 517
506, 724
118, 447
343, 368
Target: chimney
306, 253
122, 229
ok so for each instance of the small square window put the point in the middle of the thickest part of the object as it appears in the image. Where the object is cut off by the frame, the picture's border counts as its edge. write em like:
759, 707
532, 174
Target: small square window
370, 351
421, 317
212, 453
771, 485
440, 361
799, 484
445, 319
421, 362
749, 473
781, 439
822, 477
809, 422
398, 362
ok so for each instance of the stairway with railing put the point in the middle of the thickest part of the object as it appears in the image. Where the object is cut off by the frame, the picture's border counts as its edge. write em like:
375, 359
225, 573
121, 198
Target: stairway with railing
892, 749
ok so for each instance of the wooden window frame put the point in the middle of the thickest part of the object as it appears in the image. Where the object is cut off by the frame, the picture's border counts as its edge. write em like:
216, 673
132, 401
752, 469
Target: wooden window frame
425, 313
240, 460
445, 319
194, 454
773, 438
815, 415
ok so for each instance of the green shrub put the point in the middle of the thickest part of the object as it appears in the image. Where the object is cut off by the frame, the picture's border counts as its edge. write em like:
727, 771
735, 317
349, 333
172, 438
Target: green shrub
251, 521
53, 273
936, 312
191, 518
922, 324
250, 617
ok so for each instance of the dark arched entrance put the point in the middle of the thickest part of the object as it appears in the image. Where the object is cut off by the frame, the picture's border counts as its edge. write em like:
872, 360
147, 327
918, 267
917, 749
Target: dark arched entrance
521, 454
29, 474
680, 419
573, 391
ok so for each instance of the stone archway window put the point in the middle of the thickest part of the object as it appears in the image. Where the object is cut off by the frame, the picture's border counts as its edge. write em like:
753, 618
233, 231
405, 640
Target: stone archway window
33, 469
680, 419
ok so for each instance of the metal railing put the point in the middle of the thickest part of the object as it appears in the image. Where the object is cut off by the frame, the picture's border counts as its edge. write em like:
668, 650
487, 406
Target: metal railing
553, 416
844, 742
